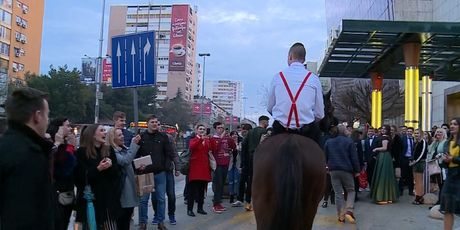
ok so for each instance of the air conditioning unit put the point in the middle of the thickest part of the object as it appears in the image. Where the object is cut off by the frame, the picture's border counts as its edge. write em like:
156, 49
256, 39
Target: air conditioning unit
19, 23
15, 69
25, 10
17, 54
24, 25
18, 39
23, 41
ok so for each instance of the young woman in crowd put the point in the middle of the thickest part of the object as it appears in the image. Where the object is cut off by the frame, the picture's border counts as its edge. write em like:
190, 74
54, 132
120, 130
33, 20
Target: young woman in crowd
200, 170
418, 165
450, 195
97, 167
125, 156
383, 181
438, 148
234, 167
64, 161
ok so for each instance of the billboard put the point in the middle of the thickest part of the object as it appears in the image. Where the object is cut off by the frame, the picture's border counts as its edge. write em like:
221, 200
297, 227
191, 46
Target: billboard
178, 40
88, 69
107, 70
232, 120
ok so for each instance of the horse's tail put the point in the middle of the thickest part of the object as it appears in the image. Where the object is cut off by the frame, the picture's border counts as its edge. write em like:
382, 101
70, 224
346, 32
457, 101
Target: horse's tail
289, 210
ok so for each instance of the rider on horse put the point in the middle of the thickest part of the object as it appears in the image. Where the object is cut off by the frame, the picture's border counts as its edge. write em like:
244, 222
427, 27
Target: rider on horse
300, 112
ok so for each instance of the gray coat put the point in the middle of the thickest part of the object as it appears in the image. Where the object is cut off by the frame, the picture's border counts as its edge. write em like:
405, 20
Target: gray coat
125, 158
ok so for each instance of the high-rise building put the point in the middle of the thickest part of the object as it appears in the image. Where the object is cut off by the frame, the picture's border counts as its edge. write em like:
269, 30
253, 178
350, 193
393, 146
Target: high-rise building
445, 95
227, 94
21, 26
175, 28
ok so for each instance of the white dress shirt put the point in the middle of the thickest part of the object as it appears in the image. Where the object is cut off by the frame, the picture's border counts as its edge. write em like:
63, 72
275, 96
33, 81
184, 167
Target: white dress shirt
310, 105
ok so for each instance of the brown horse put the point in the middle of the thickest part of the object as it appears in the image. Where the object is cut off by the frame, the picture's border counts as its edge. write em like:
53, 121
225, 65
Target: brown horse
288, 183
289, 177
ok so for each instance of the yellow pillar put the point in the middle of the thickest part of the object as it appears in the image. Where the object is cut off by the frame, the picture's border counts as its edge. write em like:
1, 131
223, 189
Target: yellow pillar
376, 113
426, 103
411, 84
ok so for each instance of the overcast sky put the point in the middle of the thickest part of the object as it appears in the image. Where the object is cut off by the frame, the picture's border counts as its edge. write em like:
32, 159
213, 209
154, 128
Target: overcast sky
248, 39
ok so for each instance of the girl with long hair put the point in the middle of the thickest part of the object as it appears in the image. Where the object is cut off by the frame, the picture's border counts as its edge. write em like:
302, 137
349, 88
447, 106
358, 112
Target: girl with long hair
418, 165
97, 167
436, 150
450, 195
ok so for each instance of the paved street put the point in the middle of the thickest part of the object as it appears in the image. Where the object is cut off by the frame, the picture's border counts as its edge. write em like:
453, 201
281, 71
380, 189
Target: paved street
401, 215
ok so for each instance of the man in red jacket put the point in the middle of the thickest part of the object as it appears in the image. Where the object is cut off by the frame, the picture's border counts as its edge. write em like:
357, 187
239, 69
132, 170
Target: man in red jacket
222, 146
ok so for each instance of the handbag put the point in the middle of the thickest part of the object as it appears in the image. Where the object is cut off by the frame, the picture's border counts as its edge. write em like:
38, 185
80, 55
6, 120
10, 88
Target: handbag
212, 161
145, 184
362, 178
433, 167
66, 198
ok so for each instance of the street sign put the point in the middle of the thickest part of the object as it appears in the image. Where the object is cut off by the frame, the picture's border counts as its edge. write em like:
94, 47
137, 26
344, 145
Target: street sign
133, 60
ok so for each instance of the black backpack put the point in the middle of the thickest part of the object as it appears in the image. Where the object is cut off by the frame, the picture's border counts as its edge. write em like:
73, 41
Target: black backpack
184, 162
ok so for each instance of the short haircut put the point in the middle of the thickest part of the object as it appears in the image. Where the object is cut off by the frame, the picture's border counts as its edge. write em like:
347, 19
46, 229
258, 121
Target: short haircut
410, 128
217, 123
23, 103
264, 118
54, 125
117, 115
402, 126
246, 127
298, 51
151, 117
341, 129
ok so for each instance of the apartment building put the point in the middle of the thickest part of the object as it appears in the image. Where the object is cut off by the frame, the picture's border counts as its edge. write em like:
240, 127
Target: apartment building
227, 94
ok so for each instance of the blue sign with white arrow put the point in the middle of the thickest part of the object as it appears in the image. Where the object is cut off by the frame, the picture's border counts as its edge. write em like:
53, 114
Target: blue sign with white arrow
133, 60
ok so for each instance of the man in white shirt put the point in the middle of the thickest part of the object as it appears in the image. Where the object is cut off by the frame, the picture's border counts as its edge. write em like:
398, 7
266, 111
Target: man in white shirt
296, 98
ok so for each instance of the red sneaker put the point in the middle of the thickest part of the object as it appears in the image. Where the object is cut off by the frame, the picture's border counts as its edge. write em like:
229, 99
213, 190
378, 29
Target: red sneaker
221, 208
216, 209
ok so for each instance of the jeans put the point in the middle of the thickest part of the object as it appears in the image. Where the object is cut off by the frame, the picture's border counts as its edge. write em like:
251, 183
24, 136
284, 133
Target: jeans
218, 182
160, 190
233, 181
170, 192
343, 180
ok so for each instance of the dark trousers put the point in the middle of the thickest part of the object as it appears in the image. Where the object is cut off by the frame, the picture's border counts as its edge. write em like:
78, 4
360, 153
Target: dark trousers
245, 185
329, 192
218, 182
170, 192
311, 131
186, 188
407, 177
63, 216
196, 190
124, 221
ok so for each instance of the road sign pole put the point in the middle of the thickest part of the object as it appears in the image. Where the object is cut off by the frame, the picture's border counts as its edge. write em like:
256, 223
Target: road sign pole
99, 67
136, 109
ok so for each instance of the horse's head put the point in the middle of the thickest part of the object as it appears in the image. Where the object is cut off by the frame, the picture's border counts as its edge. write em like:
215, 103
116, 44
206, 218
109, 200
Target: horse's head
329, 118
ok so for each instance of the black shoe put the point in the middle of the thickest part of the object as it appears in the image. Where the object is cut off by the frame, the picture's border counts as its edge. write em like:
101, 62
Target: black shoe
190, 213
201, 211
324, 205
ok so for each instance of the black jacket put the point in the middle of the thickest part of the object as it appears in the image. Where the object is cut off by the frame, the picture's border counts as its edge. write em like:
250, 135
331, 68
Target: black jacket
105, 185
158, 146
27, 197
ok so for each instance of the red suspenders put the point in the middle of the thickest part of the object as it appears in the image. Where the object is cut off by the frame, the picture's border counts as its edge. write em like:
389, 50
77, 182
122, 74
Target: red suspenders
294, 99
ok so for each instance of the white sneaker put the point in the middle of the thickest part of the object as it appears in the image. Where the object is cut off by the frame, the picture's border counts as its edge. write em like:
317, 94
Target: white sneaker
237, 204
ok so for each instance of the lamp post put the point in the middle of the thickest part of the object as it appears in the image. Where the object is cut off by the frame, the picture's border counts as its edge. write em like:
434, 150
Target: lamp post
99, 67
204, 55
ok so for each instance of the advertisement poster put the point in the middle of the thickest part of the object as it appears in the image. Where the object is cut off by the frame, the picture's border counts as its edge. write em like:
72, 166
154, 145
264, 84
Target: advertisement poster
107, 70
178, 45
88, 70
206, 108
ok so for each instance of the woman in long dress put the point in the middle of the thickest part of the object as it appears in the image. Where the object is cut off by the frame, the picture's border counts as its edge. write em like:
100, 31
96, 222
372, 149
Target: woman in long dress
383, 181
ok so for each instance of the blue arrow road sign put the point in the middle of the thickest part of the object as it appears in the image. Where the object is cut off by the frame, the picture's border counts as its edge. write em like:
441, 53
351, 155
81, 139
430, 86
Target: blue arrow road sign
133, 60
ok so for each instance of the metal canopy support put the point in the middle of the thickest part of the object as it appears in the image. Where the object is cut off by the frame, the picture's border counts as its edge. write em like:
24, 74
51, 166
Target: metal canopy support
426, 103
377, 83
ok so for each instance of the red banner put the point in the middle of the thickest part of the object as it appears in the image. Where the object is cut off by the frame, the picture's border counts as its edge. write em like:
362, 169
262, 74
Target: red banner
206, 108
106, 70
178, 44
232, 120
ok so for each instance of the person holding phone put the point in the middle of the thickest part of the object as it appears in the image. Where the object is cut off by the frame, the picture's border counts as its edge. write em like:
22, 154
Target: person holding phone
97, 167
64, 162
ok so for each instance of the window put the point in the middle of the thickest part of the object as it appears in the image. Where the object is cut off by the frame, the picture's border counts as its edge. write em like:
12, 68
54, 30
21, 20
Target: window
19, 52
4, 65
5, 17
5, 32
18, 67
6, 3
4, 49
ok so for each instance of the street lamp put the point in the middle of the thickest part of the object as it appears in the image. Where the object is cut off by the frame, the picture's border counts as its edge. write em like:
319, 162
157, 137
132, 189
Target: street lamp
99, 67
204, 55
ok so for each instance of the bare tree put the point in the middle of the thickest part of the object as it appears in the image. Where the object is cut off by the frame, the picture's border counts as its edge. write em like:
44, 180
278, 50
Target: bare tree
352, 98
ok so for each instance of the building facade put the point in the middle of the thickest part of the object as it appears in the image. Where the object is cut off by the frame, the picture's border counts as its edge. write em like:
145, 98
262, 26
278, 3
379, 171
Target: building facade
444, 93
21, 26
227, 94
175, 29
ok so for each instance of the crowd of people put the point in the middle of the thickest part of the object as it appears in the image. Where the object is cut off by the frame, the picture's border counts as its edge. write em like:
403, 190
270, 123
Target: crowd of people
424, 162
